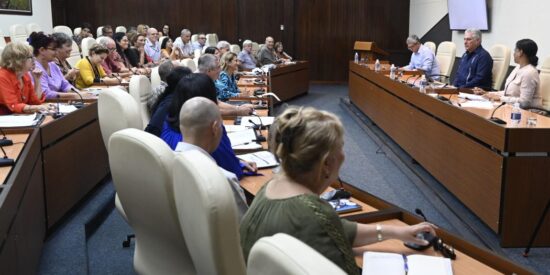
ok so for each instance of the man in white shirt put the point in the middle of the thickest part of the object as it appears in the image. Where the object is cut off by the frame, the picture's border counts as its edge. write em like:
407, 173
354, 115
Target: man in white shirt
184, 43
152, 46
422, 58
202, 128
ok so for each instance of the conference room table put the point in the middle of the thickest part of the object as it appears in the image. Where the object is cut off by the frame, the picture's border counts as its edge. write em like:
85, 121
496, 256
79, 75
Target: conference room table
500, 172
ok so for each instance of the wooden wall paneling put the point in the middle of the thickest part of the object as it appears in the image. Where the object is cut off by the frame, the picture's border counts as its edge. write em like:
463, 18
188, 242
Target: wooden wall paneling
258, 19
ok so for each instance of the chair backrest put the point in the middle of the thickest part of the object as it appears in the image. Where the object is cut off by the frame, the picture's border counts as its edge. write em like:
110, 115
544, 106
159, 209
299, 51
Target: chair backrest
33, 27
196, 61
207, 214
75, 55
77, 31
2, 39
284, 254
155, 77
234, 48
116, 110
545, 83
141, 167
501, 61
120, 29
1, 50
194, 38
18, 33
255, 48
64, 29
140, 90
446, 55
188, 62
430, 45
197, 53
210, 40
216, 37
86, 44
99, 31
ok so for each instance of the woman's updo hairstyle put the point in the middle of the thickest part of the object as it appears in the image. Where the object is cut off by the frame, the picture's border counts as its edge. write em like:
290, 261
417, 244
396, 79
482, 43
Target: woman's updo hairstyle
529, 49
40, 40
303, 137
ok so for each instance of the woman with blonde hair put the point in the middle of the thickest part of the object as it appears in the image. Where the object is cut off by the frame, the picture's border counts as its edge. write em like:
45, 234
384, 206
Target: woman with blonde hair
226, 84
309, 144
18, 94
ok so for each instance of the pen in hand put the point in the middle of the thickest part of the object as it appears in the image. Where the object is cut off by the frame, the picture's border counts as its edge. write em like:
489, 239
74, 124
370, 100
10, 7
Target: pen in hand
405, 264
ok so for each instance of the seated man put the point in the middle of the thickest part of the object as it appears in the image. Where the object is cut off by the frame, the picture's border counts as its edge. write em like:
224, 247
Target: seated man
107, 31
85, 31
152, 45
184, 44
422, 58
201, 41
111, 65
267, 53
223, 46
201, 125
165, 69
476, 66
248, 61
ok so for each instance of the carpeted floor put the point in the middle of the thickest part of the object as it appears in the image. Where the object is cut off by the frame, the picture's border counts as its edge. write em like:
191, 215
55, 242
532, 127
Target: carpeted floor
373, 162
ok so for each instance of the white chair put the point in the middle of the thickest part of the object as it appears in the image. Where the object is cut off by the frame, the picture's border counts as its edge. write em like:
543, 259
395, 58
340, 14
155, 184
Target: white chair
234, 48
430, 45
77, 31
545, 83
194, 38
33, 27
18, 33
141, 167
75, 55
283, 254
196, 61
207, 214
155, 77
255, 48
216, 37
140, 90
446, 55
120, 29
86, 44
501, 61
64, 29
189, 63
197, 53
99, 31
210, 40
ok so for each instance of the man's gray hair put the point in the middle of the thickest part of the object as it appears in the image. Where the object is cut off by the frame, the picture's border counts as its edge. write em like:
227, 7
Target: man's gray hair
104, 40
207, 62
165, 68
476, 34
413, 39
223, 44
197, 114
246, 43
185, 31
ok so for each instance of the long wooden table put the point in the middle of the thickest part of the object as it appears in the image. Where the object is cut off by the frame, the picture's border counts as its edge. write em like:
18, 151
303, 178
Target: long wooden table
499, 172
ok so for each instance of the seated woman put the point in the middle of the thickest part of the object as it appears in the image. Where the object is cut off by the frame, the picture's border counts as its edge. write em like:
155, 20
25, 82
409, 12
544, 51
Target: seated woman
54, 85
17, 92
123, 50
279, 51
91, 72
523, 83
112, 65
213, 50
226, 84
159, 108
309, 144
169, 52
189, 87
136, 52
64, 49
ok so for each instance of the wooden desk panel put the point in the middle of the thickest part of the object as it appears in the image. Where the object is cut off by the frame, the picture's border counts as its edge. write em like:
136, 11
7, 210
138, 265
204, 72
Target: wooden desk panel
12, 152
289, 81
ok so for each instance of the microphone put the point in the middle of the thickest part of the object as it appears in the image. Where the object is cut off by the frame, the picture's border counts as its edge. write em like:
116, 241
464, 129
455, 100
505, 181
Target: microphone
5, 161
4, 141
118, 78
496, 119
420, 213
258, 133
57, 113
80, 104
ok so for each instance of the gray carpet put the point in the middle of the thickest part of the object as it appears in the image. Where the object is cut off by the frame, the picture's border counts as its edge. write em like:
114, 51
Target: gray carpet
373, 163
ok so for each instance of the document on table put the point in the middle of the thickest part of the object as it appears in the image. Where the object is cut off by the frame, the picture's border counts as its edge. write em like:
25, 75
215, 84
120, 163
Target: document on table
9, 121
234, 128
472, 97
397, 264
265, 120
66, 108
242, 137
477, 104
263, 159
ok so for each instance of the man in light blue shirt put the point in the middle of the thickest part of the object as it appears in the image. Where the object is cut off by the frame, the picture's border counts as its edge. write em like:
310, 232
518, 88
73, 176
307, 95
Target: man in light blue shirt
422, 58
152, 46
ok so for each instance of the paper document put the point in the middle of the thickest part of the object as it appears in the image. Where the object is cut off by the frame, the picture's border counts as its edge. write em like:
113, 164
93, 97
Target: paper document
265, 120
234, 128
66, 108
477, 104
247, 146
397, 264
472, 97
263, 159
8, 121
241, 137
93, 91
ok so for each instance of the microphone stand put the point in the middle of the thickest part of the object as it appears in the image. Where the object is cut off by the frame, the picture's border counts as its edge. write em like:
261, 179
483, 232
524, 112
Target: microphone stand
5, 161
496, 119
57, 114
81, 103
258, 130
5, 141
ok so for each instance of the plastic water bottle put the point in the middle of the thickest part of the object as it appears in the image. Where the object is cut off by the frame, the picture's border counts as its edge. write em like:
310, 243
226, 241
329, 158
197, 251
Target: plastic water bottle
377, 66
422, 86
356, 58
392, 72
515, 117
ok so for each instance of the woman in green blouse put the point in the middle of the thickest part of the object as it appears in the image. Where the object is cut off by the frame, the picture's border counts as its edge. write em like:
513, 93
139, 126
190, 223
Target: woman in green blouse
309, 144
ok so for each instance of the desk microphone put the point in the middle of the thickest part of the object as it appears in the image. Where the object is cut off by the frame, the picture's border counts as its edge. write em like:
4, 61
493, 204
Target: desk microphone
422, 235
258, 128
496, 119
79, 104
5, 161
4, 141
57, 113
420, 213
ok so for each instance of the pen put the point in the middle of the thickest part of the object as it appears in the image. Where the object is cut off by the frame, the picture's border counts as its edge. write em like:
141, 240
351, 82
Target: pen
405, 263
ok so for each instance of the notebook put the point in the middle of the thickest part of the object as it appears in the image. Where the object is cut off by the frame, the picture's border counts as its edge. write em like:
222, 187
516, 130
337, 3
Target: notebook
397, 264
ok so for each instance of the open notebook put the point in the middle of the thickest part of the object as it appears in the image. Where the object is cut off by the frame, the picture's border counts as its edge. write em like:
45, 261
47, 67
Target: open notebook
396, 264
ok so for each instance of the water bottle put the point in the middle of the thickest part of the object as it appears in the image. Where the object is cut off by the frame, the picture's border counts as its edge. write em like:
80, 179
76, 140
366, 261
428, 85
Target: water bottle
377, 66
356, 59
392, 72
515, 117
422, 86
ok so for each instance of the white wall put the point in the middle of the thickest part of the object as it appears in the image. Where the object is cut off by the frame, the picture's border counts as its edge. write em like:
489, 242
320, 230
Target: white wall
509, 21
41, 15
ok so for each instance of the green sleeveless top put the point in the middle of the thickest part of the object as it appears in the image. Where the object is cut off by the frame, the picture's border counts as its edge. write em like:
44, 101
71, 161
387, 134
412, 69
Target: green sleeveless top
305, 217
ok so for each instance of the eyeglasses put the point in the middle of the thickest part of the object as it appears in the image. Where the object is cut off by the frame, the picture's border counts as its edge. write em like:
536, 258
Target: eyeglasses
202, 38
111, 49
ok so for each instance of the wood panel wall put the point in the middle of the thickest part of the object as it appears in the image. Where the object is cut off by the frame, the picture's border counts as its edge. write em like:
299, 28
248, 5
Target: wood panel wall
321, 31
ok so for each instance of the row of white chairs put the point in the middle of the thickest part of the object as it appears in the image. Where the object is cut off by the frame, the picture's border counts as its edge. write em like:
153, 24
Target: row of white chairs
176, 204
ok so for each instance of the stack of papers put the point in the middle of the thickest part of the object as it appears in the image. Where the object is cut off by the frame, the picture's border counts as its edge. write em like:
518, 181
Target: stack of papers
66, 108
477, 104
397, 264
472, 97
265, 120
263, 159
31, 120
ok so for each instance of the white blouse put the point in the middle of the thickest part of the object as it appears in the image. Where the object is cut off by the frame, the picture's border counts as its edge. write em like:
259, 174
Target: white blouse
523, 86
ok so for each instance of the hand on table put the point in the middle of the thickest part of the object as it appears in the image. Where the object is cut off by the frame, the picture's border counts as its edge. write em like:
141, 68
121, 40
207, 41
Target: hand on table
245, 109
478, 91
408, 233
250, 166
492, 96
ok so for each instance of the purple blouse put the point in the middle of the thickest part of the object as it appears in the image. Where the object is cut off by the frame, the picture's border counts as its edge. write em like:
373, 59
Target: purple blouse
54, 83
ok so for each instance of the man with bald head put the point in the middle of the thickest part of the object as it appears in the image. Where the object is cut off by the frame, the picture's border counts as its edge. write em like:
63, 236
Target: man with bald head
111, 65
267, 53
201, 127
152, 46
